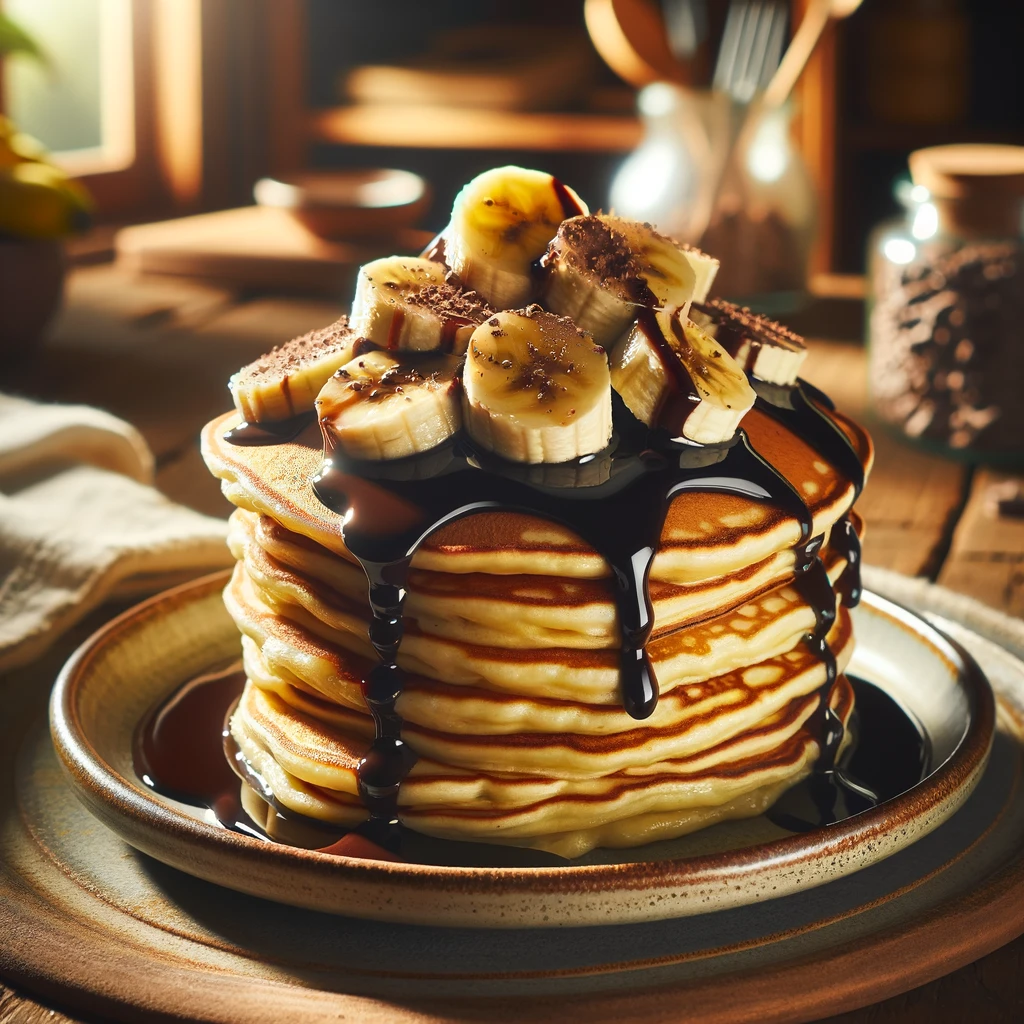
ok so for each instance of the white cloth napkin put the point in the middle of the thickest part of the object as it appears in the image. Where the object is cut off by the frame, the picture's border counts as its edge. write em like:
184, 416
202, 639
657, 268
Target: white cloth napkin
80, 522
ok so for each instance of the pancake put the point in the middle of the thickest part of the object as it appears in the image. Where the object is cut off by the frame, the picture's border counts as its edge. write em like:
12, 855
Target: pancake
506, 611
772, 624
499, 730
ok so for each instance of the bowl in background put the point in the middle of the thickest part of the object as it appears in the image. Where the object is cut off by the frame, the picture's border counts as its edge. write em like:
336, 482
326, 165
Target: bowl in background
348, 204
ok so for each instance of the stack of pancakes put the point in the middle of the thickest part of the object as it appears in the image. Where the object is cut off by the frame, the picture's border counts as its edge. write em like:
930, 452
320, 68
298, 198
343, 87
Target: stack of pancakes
511, 655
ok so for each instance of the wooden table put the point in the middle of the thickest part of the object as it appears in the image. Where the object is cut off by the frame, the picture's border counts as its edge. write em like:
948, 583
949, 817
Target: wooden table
158, 352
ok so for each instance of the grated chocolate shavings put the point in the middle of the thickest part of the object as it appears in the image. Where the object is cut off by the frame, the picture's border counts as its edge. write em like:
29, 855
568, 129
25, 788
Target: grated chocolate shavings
592, 246
752, 326
299, 351
451, 303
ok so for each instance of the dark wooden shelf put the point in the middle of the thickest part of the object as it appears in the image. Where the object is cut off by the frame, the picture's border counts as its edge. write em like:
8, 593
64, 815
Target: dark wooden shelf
422, 127
866, 135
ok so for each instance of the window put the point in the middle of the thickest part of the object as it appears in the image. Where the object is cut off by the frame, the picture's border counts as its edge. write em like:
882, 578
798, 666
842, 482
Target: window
81, 105
161, 105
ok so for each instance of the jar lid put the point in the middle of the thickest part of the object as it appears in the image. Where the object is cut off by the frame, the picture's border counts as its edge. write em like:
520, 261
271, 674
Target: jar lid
970, 170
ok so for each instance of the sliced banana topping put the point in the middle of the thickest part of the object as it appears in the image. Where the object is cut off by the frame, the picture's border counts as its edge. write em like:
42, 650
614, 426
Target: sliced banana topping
665, 267
601, 269
705, 269
408, 303
501, 223
286, 381
377, 408
592, 276
673, 375
764, 348
536, 388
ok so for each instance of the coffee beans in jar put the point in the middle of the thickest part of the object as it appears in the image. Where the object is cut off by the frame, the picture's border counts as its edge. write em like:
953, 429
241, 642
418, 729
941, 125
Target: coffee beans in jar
946, 325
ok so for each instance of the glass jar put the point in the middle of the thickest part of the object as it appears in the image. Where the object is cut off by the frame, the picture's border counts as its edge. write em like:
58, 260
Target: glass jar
946, 305
729, 180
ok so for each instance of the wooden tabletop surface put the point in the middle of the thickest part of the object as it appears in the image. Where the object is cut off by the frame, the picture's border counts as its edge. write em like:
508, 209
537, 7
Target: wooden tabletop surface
158, 352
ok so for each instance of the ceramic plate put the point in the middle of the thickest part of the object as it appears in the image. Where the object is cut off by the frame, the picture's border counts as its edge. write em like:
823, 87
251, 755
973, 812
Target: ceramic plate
141, 657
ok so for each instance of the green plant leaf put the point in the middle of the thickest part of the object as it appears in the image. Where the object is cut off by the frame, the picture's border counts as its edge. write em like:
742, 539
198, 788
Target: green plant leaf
14, 39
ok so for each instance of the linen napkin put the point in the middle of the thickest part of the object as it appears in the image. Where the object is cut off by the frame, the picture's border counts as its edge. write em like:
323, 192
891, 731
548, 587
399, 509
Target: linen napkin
80, 522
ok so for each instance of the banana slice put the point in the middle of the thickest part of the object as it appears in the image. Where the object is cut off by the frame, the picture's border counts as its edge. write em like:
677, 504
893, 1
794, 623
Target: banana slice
286, 381
501, 223
377, 408
536, 388
592, 276
408, 303
600, 269
764, 348
666, 268
705, 269
674, 376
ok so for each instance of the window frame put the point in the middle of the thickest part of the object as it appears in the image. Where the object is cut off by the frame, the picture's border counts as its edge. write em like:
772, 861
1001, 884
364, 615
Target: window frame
152, 167
190, 129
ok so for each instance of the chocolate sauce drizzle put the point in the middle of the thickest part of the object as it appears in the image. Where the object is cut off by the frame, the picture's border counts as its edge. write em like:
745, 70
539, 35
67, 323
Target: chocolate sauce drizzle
845, 542
570, 205
813, 585
804, 411
616, 501
271, 432
676, 402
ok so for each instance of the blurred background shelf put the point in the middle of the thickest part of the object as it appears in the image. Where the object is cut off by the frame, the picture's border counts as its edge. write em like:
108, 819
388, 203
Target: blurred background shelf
434, 127
903, 138
225, 91
859, 110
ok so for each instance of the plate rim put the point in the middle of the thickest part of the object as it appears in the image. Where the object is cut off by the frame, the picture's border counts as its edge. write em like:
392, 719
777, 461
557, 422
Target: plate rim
103, 787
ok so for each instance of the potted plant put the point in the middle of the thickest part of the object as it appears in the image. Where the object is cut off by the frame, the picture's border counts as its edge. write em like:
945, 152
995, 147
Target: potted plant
39, 207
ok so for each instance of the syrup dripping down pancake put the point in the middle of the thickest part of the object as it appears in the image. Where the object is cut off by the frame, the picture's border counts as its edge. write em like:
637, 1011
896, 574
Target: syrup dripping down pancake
337, 658
510, 651
473, 727
706, 534
512, 611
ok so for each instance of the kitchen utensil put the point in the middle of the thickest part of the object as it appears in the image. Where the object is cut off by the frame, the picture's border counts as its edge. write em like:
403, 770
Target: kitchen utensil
630, 36
751, 45
818, 15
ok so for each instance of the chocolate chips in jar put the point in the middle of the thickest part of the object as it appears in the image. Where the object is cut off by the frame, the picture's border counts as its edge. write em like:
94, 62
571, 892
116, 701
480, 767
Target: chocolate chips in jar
947, 341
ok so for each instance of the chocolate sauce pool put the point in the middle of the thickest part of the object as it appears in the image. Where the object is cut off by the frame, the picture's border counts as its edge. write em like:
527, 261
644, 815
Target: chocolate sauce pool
889, 754
179, 751
178, 748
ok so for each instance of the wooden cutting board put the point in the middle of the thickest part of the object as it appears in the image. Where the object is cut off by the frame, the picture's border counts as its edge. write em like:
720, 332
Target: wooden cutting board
254, 247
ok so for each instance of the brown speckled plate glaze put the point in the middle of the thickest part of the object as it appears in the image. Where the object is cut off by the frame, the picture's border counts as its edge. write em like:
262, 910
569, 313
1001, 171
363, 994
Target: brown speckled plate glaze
144, 655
